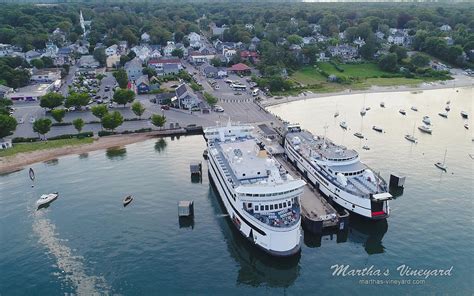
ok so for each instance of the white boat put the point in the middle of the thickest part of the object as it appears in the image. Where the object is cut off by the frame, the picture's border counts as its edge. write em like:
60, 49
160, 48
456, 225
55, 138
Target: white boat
443, 114
377, 128
363, 112
414, 108
343, 124
442, 165
411, 138
338, 173
382, 104
447, 108
336, 114
466, 126
127, 200
359, 135
464, 114
448, 102
46, 199
365, 147
261, 198
367, 108
425, 129
402, 111
426, 120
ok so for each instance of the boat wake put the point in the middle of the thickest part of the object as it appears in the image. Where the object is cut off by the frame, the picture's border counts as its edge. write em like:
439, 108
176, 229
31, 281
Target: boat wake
222, 215
72, 266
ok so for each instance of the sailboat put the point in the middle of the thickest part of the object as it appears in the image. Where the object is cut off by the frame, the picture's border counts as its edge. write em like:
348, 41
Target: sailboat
442, 166
336, 114
363, 111
411, 137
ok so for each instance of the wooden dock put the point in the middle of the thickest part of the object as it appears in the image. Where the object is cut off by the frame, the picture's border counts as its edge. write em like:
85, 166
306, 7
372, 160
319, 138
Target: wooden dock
317, 214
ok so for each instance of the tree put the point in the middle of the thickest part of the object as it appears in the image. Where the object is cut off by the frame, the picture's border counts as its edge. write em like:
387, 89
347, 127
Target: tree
112, 120
77, 100
42, 126
58, 114
37, 63
158, 120
150, 72
210, 99
401, 52
420, 60
129, 36
138, 109
216, 62
51, 100
123, 96
388, 62
99, 55
78, 124
121, 77
370, 47
7, 125
177, 52
5, 106
99, 111
294, 39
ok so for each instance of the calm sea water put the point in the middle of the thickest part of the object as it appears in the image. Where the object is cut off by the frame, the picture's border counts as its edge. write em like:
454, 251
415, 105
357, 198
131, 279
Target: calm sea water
87, 243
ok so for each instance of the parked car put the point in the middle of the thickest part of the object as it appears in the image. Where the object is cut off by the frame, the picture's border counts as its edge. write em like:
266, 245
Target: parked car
218, 108
165, 107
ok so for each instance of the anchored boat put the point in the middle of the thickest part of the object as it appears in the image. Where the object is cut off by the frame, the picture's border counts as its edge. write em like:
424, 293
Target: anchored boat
377, 129
359, 135
127, 200
402, 111
414, 108
425, 129
343, 124
443, 114
442, 165
426, 120
464, 114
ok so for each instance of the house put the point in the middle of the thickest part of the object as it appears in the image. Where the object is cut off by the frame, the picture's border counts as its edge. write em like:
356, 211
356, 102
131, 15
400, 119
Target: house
255, 40
88, 62
51, 50
5, 90
228, 54
251, 56
445, 28
45, 75
168, 49
170, 69
5, 49
31, 92
134, 69
185, 98
210, 71
166, 66
344, 51
5, 143
380, 35
58, 35
155, 51
315, 27
122, 48
197, 57
239, 69
112, 61
222, 73
309, 40
145, 37
359, 42
142, 84
111, 50
32, 54
181, 47
397, 38
164, 98
218, 31
332, 78
322, 57
249, 27
449, 40
142, 52
194, 40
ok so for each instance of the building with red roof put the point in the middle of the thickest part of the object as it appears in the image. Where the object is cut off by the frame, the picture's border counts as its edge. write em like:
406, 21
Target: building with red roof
239, 68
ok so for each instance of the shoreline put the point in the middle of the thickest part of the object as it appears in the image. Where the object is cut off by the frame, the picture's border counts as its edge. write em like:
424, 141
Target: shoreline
19, 161
456, 83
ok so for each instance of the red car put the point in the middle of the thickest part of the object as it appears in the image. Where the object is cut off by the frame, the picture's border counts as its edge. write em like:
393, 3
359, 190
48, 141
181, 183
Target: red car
165, 107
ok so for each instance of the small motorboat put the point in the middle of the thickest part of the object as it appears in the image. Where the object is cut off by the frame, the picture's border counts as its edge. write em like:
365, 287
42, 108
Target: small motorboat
447, 108
403, 112
464, 114
466, 126
377, 128
426, 120
414, 108
363, 112
443, 114
336, 114
46, 199
343, 124
359, 135
367, 108
365, 147
382, 104
441, 166
448, 102
127, 200
425, 129
411, 138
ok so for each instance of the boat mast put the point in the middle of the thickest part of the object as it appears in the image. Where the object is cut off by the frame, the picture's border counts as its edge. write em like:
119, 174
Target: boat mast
444, 159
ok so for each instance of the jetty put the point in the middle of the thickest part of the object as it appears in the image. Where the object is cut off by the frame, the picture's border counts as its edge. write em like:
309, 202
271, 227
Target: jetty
317, 214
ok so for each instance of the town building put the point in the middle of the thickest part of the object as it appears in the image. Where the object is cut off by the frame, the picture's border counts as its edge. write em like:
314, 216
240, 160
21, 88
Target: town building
145, 37
4, 91
240, 69
166, 66
112, 61
143, 84
45, 75
5, 143
194, 40
185, 98
134, 69
31, 92
344, 51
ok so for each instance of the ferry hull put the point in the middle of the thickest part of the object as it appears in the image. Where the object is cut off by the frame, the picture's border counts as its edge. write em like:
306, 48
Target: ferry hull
352, 203
279, 244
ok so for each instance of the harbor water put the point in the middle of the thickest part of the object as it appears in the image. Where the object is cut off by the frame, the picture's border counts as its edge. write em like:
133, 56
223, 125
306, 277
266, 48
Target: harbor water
87, 243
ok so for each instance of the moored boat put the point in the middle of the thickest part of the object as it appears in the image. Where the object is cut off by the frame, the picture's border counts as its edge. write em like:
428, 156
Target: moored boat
464, 114
402, 111
426, 120
363, 112
414, 108
359, 135
377, 129
466, 126
382, 104
442, 165
410, 138
127, 200
443, 114
447, 108
425, 129
343, 124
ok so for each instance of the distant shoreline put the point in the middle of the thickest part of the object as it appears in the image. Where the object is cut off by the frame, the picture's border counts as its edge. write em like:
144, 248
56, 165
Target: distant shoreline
456, 83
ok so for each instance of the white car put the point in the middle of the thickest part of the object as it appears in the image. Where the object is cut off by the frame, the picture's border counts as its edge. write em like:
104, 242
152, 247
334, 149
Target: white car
218, 108
32, 120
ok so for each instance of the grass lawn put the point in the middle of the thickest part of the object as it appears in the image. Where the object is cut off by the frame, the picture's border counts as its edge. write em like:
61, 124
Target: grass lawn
364, 70
34, 146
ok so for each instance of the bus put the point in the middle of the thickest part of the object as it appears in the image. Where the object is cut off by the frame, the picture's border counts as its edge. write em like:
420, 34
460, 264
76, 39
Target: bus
238, 86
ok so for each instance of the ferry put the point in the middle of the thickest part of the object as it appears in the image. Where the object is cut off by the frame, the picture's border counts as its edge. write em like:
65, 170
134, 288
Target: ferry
260, 196
338, 173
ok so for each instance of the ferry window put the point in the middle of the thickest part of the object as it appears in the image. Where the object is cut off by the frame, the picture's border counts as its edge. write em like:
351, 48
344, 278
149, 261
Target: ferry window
271, 207
243, 175
258, 173
266, 208
255, 195
284, 204
289, 203
280, 205
250, 205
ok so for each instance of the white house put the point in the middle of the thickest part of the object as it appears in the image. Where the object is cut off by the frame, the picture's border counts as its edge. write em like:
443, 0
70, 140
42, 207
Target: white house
445, 28
168, 49
111, 50
228, 53
134, 69
145, 37
359, 42
45, 75
249, 27
194, 40
397, 39
5, 143
142, 52
185, 98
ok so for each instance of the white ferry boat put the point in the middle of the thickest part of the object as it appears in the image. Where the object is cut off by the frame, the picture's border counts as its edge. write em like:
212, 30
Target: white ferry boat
261, 198
338, 173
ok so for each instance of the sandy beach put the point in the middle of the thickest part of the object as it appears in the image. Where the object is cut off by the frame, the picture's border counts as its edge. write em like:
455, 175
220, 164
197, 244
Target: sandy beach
20, 160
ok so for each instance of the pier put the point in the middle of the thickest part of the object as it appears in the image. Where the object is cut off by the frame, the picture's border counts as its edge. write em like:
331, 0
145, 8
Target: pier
317, 214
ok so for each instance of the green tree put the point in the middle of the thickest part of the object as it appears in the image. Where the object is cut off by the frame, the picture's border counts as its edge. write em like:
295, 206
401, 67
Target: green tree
77, 100
99, 111
210, 99
177, 53
158, 120
150, 72
7, 125
129, 36
78, 124
294, 39
121, 77
138, 109
51, 100
58, 114
42, 126
420, 60
37, 63
99, 55
370, 47
5, 105
112, 120
123, 96
388, 62
401, 52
